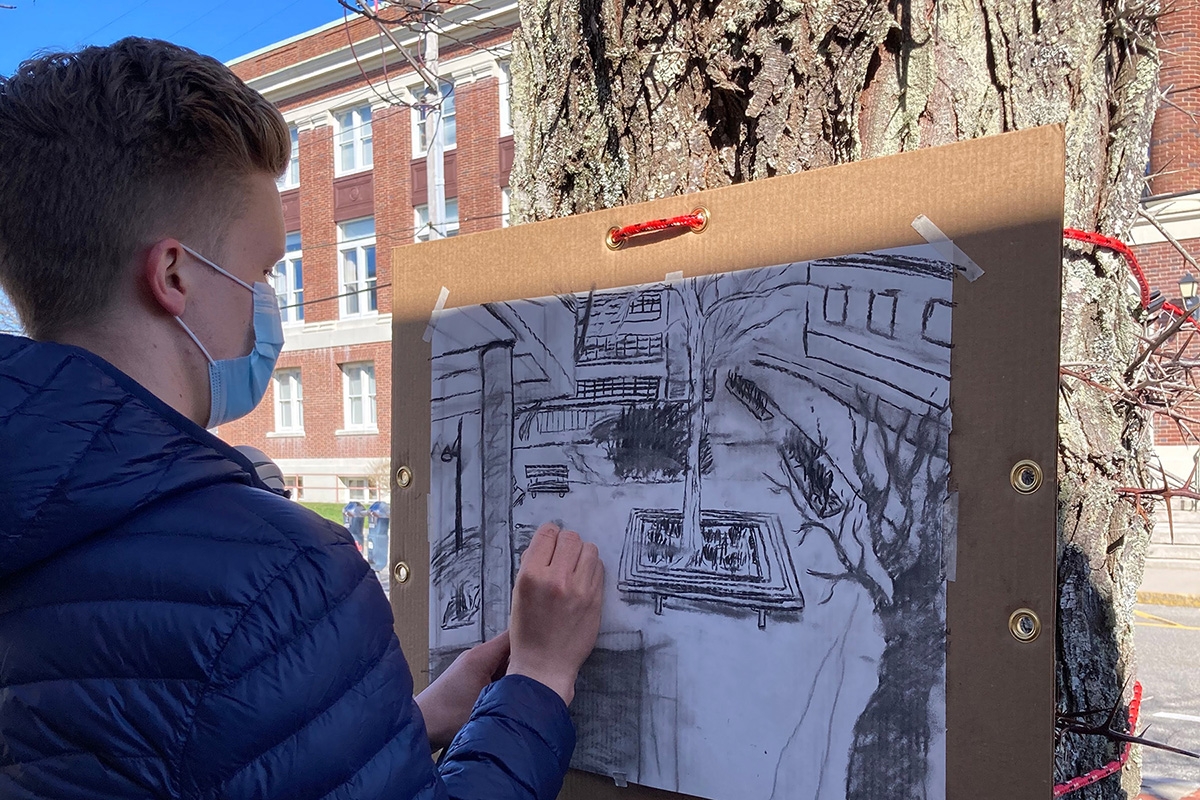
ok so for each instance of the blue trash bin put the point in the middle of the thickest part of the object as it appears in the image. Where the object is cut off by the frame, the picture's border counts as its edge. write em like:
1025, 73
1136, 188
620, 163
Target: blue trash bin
353, 517
377, 535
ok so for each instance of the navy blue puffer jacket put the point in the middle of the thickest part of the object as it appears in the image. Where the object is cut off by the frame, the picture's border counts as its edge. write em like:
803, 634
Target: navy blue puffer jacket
170, 628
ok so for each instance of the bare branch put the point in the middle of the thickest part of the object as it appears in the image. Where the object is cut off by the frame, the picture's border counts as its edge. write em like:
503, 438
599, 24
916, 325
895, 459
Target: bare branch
1153, 220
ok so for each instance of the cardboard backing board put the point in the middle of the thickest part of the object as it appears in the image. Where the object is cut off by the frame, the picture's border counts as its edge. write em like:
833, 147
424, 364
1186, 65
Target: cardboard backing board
1000, 199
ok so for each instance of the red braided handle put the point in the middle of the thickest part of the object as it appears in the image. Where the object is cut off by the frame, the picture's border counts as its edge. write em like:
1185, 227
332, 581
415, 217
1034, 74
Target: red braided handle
696, 221
1100, 240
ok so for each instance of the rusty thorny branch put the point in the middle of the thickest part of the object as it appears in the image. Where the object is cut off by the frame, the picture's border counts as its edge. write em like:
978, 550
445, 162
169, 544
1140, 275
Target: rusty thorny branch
1161, 381
1074, 723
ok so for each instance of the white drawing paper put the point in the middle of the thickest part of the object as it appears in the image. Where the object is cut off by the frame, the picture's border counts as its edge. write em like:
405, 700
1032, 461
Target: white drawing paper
761, 458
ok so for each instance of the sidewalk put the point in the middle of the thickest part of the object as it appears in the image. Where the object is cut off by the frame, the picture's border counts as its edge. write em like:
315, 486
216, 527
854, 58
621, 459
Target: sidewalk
1172, 576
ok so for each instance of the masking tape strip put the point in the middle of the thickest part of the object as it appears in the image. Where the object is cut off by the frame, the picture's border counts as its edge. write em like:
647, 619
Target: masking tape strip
950, 536
437, 309
946, 247
674, 277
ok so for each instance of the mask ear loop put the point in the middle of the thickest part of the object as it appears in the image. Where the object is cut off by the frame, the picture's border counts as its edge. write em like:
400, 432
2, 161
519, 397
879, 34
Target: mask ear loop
188, 331
229, 275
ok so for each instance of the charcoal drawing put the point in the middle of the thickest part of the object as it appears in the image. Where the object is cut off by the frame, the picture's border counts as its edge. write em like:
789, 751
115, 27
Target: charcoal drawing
761, 457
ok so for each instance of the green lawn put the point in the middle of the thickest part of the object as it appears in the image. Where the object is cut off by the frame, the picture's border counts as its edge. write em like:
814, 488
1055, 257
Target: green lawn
331, 511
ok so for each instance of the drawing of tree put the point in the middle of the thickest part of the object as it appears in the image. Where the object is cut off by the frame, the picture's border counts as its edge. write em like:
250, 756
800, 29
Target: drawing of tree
719, 314
887, 538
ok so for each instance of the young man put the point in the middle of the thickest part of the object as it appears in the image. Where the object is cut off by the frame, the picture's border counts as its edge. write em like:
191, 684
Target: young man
169, 626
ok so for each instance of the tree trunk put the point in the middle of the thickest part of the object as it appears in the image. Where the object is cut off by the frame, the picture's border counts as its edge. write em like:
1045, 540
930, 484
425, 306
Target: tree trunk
622, 103
693, 538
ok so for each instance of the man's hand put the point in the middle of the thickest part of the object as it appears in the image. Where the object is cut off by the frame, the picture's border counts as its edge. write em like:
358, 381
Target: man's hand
446, 705
556, 609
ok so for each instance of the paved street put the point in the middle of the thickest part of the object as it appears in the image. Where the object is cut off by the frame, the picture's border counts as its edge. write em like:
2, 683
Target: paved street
1168, 642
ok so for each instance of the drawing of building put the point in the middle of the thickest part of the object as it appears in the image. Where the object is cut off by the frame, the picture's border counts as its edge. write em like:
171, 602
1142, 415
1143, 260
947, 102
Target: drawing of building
890, 326
355, 188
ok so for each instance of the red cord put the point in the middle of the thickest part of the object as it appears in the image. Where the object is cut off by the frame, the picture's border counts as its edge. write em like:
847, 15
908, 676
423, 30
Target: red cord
1112, 767
1120, 247
696, 221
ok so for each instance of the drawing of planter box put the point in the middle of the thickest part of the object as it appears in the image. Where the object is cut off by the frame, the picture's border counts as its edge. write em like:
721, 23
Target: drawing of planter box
743, 562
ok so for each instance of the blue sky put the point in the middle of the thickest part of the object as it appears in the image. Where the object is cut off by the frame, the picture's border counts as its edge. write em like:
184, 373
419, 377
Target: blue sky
224, 29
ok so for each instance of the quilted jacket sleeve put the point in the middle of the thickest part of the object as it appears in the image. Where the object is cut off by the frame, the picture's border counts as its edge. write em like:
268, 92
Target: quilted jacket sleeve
311, 697
517, 745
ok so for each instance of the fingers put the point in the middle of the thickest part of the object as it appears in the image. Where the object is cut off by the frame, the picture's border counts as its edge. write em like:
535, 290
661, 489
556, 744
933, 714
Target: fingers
498, 646
541, 548
589, 558
596, 578
494, 655
567, 552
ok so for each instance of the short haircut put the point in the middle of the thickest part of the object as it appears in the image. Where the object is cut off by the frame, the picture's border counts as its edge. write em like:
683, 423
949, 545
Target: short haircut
104, 151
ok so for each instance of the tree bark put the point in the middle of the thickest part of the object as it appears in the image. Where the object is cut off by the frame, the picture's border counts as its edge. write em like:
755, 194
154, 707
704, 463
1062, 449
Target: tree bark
625, 102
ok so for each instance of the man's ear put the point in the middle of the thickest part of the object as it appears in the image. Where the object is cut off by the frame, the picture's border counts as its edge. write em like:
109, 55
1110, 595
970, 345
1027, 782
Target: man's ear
161, 270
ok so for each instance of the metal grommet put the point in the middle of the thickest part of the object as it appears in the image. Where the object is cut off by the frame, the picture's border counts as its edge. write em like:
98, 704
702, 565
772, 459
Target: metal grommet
702, 213
610, 239
1026, 476
402, 573
403, 477
1024, 625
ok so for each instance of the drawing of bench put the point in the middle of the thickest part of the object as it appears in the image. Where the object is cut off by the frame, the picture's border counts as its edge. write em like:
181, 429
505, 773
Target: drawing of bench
547, 479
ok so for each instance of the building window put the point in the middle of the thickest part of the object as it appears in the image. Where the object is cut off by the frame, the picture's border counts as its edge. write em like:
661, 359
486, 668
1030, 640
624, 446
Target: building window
356, 260
646, 306
289, 402
881, 313
295, 485
354, 150
448, 127
506, 128
358, 392
623, 388
364, 490
935, 322
505, 207
837, 304
288, 281
290, 179
626, 348
421, 220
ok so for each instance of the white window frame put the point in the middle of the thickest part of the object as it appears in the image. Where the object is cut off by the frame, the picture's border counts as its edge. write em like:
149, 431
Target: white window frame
370, 420
290, 378
289, 291
360, 135
366, 287
418, 150
290, 179
421, 229
505, 206
295, 483
506, 127
369, 486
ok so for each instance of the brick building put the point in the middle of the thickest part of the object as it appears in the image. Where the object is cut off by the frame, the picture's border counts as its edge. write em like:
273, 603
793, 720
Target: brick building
1173, 197
356, 187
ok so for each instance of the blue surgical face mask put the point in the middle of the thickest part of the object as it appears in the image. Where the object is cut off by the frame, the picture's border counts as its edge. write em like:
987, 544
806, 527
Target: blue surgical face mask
238, 384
